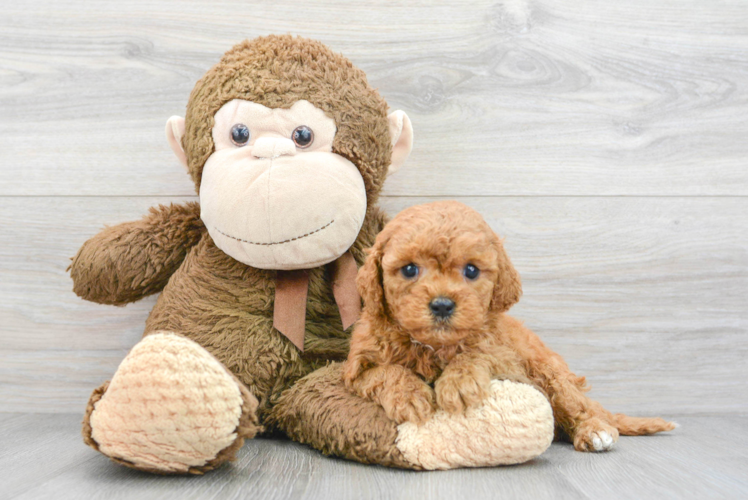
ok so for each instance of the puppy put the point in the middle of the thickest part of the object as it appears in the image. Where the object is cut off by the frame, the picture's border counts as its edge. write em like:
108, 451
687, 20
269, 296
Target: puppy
436, 285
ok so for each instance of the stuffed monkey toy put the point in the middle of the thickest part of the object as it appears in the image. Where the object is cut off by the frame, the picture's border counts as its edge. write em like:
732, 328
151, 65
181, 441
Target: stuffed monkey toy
288, 147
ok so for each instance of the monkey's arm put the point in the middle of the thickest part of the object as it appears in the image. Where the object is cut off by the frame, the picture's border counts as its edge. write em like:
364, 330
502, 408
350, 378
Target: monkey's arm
124, 263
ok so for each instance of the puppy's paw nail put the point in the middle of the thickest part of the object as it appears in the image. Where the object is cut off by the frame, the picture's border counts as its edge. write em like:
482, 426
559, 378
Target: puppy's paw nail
607, 440
597, 443
602, 441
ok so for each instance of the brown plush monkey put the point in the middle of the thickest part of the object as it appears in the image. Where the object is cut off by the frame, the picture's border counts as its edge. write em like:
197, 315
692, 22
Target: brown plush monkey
288, 147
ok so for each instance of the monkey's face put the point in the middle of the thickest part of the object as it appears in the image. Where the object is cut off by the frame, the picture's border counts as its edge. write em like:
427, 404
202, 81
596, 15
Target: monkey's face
299, 144
273, 194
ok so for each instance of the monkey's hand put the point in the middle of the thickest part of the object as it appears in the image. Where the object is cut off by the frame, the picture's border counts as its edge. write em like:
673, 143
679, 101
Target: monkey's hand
127, 262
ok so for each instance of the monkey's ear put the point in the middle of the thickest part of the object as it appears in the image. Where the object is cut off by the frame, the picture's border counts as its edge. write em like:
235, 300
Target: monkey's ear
174, 134
401, 133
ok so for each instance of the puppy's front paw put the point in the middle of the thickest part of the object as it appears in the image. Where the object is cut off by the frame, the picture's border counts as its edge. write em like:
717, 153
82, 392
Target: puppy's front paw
409, 404
595, 435
457, 392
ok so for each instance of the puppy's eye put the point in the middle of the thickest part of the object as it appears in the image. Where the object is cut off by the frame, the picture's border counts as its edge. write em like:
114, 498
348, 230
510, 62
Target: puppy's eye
409, 271
240, 134
471, 272
303, 137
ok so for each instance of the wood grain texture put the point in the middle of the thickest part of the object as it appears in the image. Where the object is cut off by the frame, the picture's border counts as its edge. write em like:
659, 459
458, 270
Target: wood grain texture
520, 97
605, 141
628, 290
705, 458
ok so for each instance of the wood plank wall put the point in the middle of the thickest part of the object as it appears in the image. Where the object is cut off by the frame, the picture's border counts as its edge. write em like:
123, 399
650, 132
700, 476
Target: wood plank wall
606, 141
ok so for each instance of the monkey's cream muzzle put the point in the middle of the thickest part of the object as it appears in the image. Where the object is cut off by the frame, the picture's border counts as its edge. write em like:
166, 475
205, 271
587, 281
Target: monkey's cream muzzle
271, 205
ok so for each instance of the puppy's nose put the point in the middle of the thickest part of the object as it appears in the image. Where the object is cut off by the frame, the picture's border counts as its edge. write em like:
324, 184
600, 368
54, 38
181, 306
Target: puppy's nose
442, 307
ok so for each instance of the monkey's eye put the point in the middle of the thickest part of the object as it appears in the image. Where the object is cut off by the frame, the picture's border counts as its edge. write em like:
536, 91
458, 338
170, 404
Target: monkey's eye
240, 134
471, 272
410, 271
303, 137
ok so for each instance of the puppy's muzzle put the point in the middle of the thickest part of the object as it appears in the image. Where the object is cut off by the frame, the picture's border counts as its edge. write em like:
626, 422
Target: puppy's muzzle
442, 308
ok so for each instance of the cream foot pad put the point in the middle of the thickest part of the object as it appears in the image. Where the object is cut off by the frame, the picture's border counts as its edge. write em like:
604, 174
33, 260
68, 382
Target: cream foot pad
514, 425
170, 407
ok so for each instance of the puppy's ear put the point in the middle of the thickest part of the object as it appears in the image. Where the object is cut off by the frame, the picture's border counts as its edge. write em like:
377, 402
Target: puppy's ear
369, 279
508, 287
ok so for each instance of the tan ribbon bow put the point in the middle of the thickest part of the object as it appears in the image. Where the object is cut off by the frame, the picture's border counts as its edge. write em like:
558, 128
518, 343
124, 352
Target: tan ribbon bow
291, 290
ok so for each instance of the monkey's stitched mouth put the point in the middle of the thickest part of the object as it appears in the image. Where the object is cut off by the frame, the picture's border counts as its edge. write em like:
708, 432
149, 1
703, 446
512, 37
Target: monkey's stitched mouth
276, 242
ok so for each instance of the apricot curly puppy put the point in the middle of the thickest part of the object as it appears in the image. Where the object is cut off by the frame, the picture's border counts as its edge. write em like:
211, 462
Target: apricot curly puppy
436, 286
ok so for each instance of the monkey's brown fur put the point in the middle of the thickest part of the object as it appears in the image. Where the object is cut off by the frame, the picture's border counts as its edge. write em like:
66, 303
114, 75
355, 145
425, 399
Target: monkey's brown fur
127, 262
220, 303
398, 347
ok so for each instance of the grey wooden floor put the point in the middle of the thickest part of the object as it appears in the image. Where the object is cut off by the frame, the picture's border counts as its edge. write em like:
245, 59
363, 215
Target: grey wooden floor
707, 457
606, 141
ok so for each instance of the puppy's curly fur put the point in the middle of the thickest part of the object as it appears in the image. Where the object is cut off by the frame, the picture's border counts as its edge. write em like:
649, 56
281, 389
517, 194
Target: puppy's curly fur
401, 346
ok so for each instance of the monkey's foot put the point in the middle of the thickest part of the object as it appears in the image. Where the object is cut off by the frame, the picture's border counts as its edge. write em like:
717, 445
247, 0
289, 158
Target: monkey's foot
512, 425
171, 408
